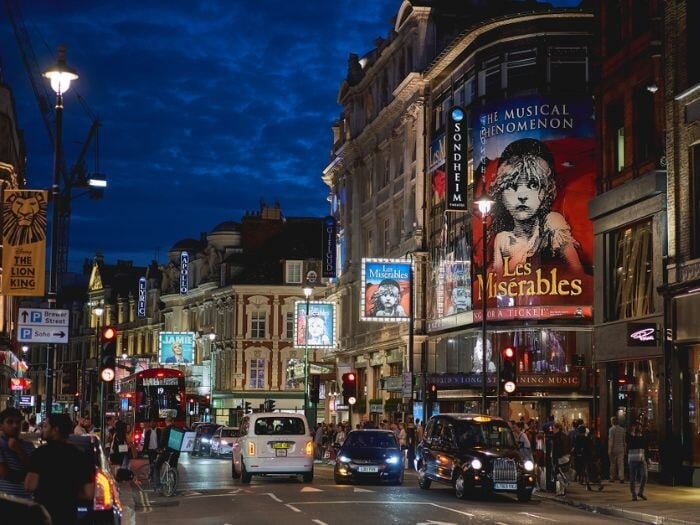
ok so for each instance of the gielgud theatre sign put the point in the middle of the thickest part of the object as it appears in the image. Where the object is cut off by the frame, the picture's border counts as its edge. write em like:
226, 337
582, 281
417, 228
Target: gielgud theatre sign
535, 160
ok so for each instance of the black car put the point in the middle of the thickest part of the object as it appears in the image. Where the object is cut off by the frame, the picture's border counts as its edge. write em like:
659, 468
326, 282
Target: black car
106, 507
473, 453
202, 438
371, 456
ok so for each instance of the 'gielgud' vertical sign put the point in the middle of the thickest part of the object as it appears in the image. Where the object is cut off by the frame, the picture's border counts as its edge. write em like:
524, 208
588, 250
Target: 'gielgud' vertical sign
456, 160
24, 242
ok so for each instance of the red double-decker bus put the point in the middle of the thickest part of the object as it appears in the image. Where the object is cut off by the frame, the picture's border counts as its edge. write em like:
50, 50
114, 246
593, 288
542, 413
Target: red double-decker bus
155, 393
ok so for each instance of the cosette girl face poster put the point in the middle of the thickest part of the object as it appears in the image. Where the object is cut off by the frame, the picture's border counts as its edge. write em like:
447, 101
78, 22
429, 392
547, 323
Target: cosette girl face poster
386, 284
321, 324
535, 160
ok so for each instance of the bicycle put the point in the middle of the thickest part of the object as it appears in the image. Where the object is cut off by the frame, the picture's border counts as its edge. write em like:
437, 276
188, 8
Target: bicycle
167, 481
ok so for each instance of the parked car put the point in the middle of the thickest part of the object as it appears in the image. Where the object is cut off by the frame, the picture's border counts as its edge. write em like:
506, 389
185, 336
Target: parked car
273, 443
202, 438
369, 455
222, 441
105, 508
473, 453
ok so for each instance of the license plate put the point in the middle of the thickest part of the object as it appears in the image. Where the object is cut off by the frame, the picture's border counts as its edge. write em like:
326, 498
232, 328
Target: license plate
368, 469
280, 452
505, 486
280, 445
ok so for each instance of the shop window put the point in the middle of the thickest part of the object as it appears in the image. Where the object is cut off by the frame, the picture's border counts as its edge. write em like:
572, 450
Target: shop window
693, 394
631, 276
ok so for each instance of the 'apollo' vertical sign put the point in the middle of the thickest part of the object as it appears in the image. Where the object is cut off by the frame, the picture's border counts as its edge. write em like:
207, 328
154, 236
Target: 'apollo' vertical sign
329, 247
184, 273
456, 160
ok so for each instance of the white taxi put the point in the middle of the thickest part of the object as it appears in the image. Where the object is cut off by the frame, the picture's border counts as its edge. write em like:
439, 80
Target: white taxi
273, 443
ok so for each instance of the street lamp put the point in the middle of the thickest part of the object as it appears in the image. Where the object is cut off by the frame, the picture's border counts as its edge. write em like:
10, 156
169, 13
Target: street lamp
98, 311
308, 292
60, 76
484, 204
212, 338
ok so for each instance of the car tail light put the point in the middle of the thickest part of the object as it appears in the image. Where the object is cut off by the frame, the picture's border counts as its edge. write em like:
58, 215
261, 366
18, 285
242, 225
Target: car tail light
104, 498
309, 449
251, 448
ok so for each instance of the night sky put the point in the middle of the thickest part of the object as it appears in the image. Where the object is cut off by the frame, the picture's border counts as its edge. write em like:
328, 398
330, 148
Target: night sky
207, 108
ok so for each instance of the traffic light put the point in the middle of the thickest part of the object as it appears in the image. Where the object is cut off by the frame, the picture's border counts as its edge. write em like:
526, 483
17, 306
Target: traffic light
508, 369
314, 388
270, 405
108, 356
190, 406
76, 402
433, 393
246, 407
349, 387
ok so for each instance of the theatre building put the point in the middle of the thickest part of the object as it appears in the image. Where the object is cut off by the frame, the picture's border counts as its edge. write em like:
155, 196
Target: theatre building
513, 96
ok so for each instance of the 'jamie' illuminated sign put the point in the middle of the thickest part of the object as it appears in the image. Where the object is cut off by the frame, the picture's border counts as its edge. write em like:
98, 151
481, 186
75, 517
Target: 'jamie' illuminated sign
641, 334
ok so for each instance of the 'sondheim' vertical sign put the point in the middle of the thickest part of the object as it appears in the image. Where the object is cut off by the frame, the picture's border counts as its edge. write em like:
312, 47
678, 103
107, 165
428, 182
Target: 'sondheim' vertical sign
456, 160
184, 272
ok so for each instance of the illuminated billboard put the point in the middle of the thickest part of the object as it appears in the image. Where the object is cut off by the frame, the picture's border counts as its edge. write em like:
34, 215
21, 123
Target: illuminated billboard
176, 348
321, 325
535, 159
386, 285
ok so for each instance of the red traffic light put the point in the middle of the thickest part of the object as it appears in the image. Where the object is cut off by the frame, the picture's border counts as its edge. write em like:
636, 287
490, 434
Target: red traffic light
433, 388
109, 333
509, 352
351, 377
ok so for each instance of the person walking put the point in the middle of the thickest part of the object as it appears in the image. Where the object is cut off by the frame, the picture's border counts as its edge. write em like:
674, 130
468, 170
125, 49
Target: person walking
59, 473
637, 458
616, 450
560, 458
583, 454
119, 449
14, 454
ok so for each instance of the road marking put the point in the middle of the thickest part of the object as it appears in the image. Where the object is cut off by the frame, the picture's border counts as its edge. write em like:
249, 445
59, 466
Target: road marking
536, 516
432, 522
373, 502
362, 490
273, 497
311, 489
293, 507
319, 522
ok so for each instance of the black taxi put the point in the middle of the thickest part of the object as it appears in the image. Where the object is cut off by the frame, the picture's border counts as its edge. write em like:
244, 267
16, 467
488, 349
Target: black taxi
473, 453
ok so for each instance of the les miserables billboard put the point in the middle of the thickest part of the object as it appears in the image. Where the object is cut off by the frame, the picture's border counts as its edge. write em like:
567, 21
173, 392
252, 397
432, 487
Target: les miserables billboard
535, 160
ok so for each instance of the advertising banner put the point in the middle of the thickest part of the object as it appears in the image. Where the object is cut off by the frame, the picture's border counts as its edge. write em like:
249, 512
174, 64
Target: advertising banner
321, 325
386, 286
535, 159
176, 348
24, 242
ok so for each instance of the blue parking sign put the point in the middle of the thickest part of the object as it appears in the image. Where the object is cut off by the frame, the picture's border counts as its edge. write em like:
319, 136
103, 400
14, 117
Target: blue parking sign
25, 333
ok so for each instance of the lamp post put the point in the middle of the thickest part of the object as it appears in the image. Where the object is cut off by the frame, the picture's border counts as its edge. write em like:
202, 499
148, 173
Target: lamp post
98, 311
60, 76
308, 291
484, 204
212, 337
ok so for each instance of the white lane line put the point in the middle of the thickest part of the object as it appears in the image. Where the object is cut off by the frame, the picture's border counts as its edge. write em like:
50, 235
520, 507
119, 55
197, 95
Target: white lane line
373, 502
273, 497
293, 507
319, 522
536, 516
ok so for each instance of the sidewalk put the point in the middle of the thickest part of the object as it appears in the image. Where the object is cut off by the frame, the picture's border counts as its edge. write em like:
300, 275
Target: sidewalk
665, 505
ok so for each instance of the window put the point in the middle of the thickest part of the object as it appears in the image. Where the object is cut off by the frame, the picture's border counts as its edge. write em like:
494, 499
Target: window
522, 71
369, 243
386, 172
616, 137
387, 233
490, 78
695, 198
692, 42
257, 373
257, 325
289, 333
469, 89
293, 272
644, 127
567, 69
631, 279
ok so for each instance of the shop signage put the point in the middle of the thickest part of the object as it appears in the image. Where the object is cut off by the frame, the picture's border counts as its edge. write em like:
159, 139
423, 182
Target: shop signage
641, 334
548, 380
376, 408
141, 307
460, 380
329, 235
184, 273
456, 162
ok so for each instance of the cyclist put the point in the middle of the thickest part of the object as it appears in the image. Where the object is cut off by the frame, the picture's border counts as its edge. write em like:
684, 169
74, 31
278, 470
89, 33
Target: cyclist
165, 453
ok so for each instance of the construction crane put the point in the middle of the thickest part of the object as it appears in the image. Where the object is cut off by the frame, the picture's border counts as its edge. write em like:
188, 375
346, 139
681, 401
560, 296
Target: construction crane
78, 176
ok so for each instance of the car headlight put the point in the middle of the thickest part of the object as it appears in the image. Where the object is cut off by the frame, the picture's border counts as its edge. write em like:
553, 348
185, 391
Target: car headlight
476, 464
393, 460
224, 442
205, 440
529, 465
344, 459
